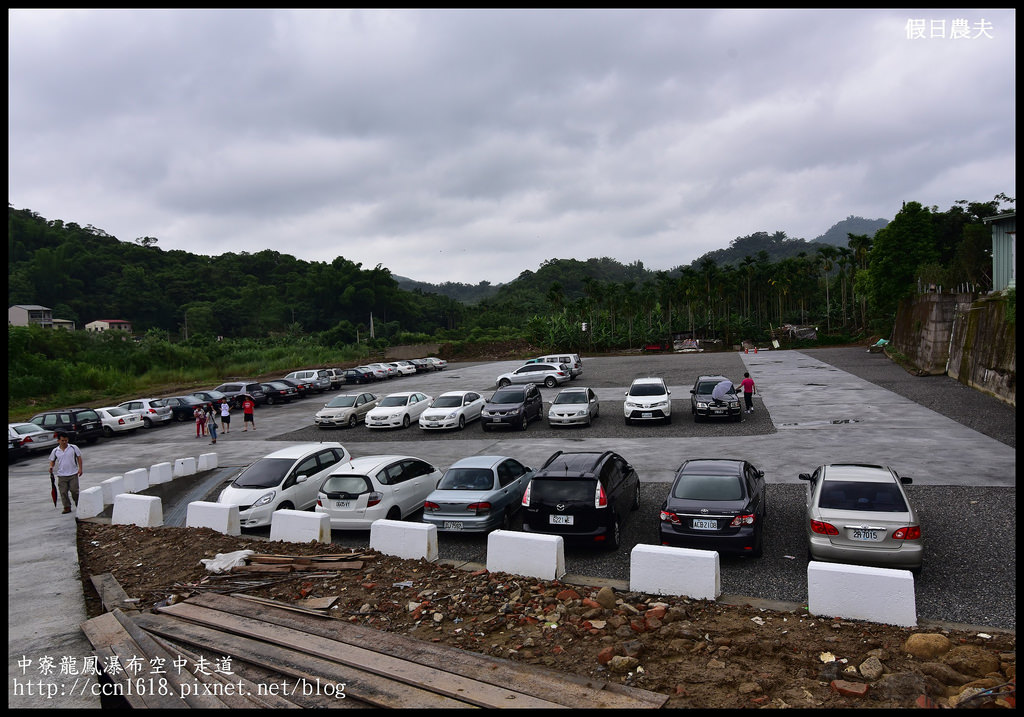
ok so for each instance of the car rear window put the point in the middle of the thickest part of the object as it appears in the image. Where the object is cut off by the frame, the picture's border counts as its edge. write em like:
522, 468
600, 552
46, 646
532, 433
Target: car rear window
345, 486
850, 495
467, 479
548, 490
698, 487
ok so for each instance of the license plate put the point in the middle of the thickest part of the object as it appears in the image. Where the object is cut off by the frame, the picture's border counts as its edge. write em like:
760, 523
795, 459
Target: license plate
452, 525
343, 504
702, 524
864, 534
560, 519
718, 410
433, 424
646, 414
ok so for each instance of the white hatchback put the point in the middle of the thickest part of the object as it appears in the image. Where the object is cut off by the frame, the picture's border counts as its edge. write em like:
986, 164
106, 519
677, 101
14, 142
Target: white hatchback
288, 478
366, 489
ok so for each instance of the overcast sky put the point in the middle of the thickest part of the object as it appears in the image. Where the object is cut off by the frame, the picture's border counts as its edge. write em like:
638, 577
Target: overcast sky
472, 145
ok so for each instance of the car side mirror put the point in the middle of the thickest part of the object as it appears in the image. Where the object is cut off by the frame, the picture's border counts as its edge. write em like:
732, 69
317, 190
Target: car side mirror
906, 480
692, 391
760, 474
805, 476
301, 478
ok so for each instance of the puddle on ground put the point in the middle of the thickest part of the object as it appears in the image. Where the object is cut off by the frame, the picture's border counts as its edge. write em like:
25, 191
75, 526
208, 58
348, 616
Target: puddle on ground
833, 422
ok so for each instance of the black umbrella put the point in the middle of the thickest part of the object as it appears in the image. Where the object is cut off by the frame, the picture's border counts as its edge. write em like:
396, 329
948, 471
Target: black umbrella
53, 490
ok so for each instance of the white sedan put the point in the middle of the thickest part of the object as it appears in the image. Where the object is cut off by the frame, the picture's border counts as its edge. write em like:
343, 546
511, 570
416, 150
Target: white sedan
453, 409
362, 490
398, 410
119, 420
35, 438
405, 368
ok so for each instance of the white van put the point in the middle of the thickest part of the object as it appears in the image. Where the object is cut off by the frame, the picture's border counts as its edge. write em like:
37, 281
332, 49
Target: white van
573, 361
318, 378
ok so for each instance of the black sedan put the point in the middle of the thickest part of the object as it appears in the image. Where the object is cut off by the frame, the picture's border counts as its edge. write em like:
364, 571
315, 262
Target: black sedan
356, 375
183, 407
302, 388
716, 504
279, 392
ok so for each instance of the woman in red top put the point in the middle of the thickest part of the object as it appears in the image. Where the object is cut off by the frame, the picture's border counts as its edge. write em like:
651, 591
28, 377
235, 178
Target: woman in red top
748, 391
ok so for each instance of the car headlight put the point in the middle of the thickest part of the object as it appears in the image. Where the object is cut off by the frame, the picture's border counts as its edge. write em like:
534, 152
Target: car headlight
701, 404
265, 499
451, 415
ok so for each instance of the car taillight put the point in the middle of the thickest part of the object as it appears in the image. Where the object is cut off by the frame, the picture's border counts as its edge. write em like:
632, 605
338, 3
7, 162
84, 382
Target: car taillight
911, 532
152, 410
668, 516
600, 499
120, 421
430, 505
373, 499
481, 507
818, 526
526, 494
742, 520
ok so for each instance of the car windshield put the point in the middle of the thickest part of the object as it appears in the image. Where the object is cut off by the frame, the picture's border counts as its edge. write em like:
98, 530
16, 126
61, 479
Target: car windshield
342, 402
467, 479
345, 486
264, 473
573, 397
447, 402
707, 386
698, 487
852, 495
647, 389
394, 401
555, 490
510, 396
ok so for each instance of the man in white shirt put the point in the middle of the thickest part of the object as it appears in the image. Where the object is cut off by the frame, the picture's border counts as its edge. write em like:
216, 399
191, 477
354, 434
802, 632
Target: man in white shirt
66, 459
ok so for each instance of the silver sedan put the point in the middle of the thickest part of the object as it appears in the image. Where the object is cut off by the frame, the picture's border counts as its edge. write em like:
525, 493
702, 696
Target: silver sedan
477, 494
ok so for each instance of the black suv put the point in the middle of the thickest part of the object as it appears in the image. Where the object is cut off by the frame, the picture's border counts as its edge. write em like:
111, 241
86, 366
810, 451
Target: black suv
583, 497
512, 406
81, 424
703, 406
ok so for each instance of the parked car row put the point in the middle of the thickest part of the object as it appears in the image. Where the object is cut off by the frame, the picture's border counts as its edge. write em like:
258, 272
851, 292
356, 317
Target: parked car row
854, 514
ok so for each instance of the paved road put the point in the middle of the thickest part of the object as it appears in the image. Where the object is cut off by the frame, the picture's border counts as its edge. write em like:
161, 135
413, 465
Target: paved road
808, 412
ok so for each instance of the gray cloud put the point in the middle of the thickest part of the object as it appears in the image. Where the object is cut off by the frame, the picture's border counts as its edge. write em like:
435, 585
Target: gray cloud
468, 145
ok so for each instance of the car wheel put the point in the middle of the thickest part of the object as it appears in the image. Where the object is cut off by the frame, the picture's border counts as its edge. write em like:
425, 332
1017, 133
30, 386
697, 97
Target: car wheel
147, 423
758, 550
614, 535
668, 419
506, 520
484, 427
462, 422
405, 421
626, 420
636, 497
285, 506
108, 431
353, 421
503, 382
550, 382
526, 422
270, 400
395, 513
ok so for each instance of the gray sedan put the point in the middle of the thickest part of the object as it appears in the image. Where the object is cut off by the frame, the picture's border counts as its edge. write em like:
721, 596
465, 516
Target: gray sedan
861, 514
477, 494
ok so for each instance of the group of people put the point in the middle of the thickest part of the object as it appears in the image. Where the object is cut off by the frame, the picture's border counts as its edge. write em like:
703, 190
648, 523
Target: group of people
206, 418
724, 387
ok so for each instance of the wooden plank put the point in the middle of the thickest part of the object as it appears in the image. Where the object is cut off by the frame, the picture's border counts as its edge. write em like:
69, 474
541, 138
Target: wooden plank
184, 684
262, 569
569, 690
331, 565
135, 701
112, 595
428, 677
360, 685
283, 605
321, 603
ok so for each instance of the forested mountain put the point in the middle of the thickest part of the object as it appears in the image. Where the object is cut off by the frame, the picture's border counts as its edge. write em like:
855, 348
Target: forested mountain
839, 233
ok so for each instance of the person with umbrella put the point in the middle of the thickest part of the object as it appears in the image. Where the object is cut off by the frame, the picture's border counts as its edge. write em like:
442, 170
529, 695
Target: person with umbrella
66, 459
720, 391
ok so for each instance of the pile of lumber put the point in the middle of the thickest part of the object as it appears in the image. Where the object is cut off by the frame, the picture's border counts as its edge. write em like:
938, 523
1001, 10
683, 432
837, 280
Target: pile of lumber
283, 655
266, 563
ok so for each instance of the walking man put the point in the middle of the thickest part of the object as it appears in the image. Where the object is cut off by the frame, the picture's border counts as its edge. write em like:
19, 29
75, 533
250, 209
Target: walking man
247, 413
66, 459
748, 392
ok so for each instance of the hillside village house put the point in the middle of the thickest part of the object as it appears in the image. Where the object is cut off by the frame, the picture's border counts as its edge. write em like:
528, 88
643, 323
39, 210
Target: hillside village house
109, 325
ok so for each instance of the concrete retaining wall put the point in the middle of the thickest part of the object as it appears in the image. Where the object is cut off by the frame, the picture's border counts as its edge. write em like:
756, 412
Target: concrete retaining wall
861, 593
411, 541
537, 556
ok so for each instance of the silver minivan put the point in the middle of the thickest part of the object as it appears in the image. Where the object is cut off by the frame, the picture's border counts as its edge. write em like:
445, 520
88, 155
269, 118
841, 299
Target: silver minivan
318, 378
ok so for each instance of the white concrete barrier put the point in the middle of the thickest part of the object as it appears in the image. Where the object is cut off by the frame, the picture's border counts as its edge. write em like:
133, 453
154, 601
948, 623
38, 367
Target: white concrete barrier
112, 487
217, 516
160, 473
859, 592
402, 539
90, 502
300, 526
207, 461
145, 511
538, 556
136, 481
184, 467
664, 570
